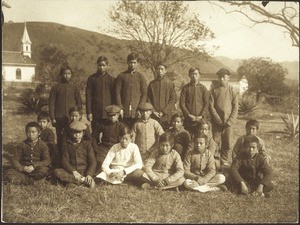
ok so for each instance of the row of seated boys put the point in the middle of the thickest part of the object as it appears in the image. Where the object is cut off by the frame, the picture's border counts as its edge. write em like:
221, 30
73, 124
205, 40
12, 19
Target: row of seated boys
122, 154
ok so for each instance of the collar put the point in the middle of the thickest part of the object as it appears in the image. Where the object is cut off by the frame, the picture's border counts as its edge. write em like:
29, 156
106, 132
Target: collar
99, 74
195, 84
30, 143
72, 143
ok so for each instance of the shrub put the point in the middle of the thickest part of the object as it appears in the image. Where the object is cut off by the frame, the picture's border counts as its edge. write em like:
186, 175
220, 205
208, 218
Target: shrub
33, 99
291, 125
247, 106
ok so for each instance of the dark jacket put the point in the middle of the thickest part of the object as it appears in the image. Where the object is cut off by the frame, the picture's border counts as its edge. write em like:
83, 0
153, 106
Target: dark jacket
79, 157
27, 154
162, 95
62, 97
194, 100
247, 170
181, 137
110, 132
99, 94
130, 90
47, 136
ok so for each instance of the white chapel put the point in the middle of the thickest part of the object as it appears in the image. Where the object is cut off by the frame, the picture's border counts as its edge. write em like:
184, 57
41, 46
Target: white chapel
19, 66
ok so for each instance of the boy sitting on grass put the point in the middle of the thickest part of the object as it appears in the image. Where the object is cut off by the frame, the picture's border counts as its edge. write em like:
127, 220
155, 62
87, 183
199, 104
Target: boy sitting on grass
211, 145
164, 167
246, 169
47, 136
123, 161
200, 169
181, 136
78, 159
252, 127
30, 159
109, 130
146, 131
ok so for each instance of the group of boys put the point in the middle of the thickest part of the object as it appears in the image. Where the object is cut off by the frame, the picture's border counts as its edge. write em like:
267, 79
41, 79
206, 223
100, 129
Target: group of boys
136, 136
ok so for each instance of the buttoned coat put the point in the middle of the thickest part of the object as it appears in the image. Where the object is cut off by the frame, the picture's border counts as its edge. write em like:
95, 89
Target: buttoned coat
99, 94
62, 97
162, 95
131, 91
28, 154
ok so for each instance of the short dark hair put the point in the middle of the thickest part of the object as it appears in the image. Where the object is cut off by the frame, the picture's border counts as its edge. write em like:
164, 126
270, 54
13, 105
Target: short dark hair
124, 131
179, 115
64, 68
75, 109
43, 115
193, 69
33, 124
252, 122
102, 58
201, 136
161, 64
202, 122
132, 56
223, 72
167, 137
249, 139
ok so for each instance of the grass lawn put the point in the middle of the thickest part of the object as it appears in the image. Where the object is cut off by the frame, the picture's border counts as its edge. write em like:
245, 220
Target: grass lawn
43, 202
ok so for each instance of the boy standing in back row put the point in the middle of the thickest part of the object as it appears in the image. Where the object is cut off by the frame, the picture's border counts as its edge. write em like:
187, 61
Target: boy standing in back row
162, 95
99, 94
223, 110
130, 90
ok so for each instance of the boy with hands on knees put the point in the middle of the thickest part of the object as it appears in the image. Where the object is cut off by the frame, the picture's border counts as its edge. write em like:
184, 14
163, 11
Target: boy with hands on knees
123, 162
30, 159
251, 173
78, 159
200, 169
164, 168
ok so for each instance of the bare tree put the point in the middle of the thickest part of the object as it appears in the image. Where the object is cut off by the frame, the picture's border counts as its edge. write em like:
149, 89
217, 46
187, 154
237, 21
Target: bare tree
160, 30
282, 14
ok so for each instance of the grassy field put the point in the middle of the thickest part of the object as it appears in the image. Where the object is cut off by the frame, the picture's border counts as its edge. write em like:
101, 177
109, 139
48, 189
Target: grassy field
44, 202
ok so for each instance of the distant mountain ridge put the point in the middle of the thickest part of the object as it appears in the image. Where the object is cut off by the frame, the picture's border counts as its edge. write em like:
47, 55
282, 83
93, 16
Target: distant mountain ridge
84, 47
292, 67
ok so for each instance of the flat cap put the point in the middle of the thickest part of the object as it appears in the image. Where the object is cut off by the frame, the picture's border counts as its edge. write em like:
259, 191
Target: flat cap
78, 126
145, 106
113, 109
223, 72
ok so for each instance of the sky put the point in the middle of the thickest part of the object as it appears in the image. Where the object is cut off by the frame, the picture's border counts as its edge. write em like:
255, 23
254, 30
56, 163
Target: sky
234, 36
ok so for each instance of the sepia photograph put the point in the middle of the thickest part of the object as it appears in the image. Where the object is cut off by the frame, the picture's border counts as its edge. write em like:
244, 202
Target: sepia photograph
170, 112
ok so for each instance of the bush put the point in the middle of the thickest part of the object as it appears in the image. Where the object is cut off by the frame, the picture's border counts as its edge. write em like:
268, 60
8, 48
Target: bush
247, 106
33, 99
291, 125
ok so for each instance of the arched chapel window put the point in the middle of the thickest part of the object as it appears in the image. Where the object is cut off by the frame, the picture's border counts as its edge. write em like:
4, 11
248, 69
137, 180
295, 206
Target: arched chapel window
18, 74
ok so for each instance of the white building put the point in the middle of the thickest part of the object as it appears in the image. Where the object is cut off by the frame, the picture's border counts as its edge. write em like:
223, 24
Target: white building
18, 66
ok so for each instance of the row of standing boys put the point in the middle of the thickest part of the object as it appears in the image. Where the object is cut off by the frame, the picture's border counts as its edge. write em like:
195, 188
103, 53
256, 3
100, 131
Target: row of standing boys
137, 136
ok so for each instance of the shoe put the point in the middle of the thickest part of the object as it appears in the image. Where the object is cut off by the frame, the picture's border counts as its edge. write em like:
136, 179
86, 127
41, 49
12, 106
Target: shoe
223, 187
92, 184
146, 186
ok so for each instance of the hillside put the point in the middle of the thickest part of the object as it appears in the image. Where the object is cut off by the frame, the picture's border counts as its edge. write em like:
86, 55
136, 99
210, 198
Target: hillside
84, 47
292, 67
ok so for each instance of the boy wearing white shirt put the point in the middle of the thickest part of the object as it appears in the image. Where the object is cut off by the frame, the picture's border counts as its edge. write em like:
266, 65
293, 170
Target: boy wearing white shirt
123, 162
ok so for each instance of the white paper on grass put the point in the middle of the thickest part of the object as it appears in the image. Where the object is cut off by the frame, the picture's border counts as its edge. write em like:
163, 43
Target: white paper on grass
109, 179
